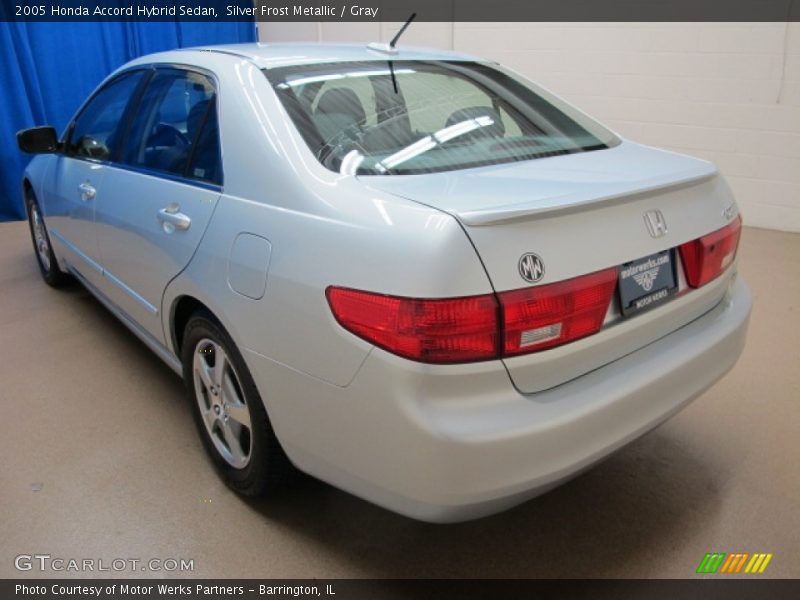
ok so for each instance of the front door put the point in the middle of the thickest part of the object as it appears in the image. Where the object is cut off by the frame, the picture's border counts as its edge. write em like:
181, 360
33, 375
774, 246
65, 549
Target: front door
77, 178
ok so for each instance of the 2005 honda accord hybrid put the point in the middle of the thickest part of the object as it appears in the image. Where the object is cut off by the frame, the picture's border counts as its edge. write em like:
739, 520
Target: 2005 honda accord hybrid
410, 273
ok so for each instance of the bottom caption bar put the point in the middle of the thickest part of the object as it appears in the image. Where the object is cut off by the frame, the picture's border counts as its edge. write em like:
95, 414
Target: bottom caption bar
378, 589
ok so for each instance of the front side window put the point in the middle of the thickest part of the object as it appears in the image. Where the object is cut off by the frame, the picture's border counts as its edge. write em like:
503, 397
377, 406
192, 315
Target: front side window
97, 127
174, 130
409, 117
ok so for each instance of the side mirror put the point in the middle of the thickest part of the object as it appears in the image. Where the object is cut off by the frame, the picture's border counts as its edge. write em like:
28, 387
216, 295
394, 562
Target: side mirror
38, 140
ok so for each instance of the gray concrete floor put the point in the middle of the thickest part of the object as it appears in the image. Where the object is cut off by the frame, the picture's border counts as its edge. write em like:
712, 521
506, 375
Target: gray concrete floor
98, 425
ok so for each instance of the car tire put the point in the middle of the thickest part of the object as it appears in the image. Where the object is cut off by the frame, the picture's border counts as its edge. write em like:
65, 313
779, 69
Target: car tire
228, 411
43, 249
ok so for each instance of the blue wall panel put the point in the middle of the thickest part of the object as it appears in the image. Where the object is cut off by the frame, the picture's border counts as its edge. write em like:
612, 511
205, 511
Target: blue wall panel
48, 69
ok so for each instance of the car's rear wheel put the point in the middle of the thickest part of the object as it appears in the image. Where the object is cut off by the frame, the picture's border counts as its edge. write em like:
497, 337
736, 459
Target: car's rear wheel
48, 265
228, 410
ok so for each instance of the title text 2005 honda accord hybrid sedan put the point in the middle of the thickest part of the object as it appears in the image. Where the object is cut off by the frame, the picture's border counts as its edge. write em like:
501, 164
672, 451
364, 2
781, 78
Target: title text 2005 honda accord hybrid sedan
412, 274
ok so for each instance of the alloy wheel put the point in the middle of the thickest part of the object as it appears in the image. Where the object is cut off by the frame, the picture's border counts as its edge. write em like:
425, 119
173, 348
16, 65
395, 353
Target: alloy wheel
222, 404
40, 238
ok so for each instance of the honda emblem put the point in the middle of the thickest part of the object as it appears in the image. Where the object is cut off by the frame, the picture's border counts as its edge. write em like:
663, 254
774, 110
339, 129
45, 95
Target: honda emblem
655, 222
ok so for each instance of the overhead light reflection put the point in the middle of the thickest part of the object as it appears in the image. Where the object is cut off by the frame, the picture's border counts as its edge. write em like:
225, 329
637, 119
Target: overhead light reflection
335, 76
431, 141
379, 204
453, 131
350, 163
419, 147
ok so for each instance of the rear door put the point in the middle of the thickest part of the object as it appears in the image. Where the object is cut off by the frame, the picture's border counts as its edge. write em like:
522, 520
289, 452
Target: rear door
159, 198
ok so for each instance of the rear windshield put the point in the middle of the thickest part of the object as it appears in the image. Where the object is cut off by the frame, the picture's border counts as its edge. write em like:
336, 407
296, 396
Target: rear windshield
410, 117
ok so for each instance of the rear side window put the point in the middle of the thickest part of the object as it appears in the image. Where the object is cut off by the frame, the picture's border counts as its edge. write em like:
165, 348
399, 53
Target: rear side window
174, 130
96, 129
409, 117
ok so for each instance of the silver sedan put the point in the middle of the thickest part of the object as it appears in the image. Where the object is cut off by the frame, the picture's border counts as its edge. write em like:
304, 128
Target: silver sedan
413, 274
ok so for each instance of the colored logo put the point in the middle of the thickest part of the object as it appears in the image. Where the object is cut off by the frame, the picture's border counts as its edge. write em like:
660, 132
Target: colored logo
734, 563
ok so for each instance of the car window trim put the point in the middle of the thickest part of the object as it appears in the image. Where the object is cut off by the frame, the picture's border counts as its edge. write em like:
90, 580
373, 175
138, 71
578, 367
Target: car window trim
138, 94
156, 67
127, 118
67, 138
211, 106
171, 177
303, 122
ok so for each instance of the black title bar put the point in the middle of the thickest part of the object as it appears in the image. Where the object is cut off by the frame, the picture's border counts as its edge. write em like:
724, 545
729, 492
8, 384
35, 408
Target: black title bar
399, 10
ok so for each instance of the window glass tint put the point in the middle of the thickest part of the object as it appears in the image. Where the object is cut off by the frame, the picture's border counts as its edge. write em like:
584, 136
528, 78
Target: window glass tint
455, 92
406, 117
175, 127
205, 162
95, 129
337, 104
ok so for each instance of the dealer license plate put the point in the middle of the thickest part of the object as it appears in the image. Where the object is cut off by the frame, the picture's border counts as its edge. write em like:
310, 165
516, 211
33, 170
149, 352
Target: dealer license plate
647, 282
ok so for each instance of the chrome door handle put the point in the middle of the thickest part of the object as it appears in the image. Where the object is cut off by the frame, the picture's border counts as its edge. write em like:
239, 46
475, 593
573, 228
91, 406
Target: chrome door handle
87, 191
171, 219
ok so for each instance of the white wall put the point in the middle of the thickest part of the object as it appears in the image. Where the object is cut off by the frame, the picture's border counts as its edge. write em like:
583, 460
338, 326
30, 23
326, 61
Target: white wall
728, 92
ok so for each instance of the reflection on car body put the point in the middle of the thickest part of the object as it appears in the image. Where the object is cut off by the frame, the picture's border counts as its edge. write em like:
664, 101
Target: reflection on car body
416, 275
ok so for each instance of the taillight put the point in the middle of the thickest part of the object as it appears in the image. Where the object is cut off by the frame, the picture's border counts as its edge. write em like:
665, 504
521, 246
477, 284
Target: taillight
451, 330
550, 315
458, 330
705, 258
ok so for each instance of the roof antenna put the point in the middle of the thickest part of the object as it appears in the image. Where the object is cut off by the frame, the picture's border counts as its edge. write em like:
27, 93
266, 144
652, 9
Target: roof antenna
390, 47
393, 43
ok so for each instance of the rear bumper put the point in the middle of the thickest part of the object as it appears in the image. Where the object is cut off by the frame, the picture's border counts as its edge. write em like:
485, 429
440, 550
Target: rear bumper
450, 443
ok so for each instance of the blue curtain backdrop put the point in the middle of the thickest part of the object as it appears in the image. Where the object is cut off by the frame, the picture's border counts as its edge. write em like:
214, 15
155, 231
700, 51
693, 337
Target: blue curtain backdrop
48, 69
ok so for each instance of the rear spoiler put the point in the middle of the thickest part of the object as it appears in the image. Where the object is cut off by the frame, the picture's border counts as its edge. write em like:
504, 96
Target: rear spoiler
569, 203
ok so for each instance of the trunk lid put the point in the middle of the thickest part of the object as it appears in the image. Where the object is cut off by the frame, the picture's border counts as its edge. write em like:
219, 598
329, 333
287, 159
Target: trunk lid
581, 213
